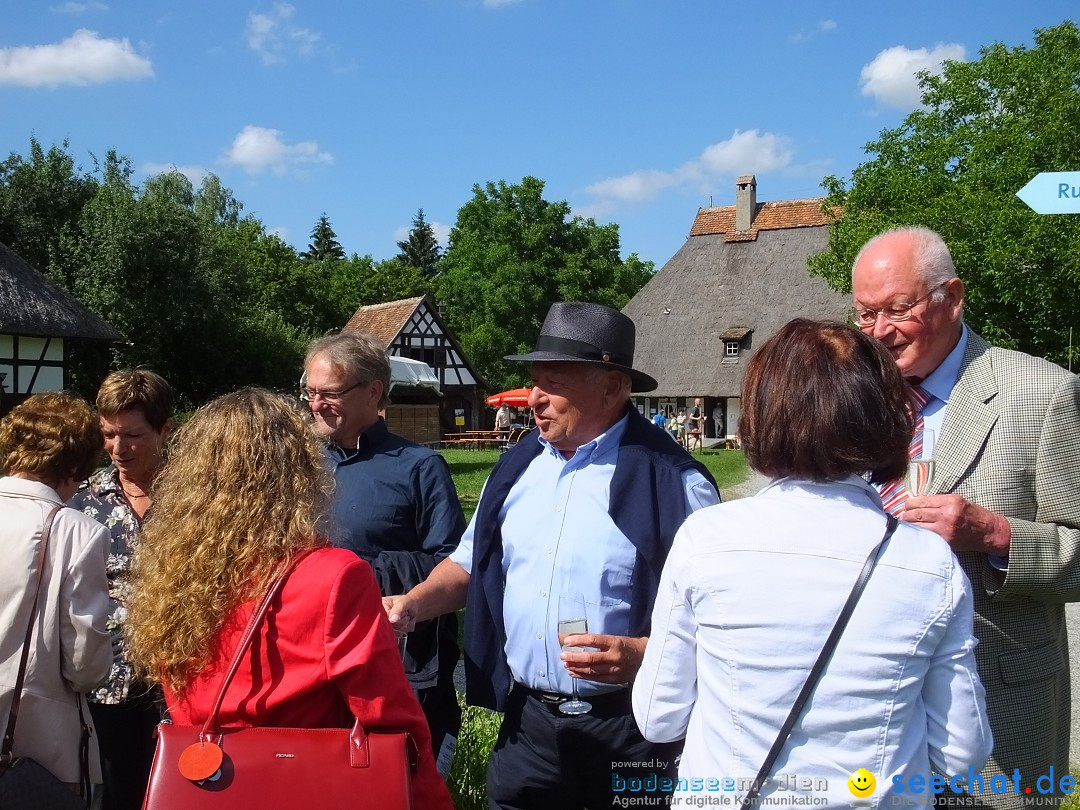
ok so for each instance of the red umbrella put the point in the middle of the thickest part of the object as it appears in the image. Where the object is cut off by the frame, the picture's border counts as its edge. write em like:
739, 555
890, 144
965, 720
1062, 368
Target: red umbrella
518, 397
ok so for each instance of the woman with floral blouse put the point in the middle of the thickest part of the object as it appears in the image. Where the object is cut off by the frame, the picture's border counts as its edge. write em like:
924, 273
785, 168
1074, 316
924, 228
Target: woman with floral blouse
135, 410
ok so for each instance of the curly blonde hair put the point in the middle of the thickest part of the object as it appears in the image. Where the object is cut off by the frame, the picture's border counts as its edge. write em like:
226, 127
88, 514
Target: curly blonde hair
51, 436
244, 490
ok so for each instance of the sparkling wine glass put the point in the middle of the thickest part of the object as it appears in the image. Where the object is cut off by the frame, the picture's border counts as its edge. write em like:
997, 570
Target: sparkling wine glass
921, 466
572, 620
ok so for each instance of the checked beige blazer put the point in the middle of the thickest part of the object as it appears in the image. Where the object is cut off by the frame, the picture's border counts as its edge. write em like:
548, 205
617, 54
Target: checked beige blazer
1010, 442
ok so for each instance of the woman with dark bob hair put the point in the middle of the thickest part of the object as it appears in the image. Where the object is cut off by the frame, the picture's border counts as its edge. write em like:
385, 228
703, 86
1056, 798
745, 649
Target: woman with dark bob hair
242, 495
48, 444
752, 588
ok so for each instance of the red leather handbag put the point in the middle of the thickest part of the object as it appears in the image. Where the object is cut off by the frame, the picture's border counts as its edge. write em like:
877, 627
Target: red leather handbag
264, 767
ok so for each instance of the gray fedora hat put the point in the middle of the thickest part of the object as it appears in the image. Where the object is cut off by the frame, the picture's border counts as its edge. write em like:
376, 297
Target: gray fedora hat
580, 332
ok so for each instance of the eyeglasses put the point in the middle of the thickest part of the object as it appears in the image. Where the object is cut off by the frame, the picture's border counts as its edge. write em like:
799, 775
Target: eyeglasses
308, 394
897, 313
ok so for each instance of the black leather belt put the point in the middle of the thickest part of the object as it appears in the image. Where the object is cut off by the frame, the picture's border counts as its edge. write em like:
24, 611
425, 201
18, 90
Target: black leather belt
617, 701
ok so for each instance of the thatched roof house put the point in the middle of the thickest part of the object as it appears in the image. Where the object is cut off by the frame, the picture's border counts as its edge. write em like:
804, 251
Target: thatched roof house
741, 275
36, 317
413, 328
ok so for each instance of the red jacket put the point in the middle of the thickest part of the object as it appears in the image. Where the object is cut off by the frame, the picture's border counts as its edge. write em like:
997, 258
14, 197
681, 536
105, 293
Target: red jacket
332, 655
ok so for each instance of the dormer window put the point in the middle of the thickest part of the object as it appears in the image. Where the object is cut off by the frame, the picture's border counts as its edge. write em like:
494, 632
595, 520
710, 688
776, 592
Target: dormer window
735, 338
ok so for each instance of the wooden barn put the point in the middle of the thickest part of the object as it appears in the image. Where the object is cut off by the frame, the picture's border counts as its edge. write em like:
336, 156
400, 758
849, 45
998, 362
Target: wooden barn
412, 328
740, 276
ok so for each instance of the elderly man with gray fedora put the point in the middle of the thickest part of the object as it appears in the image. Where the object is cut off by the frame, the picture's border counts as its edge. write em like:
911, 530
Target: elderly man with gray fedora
587, 505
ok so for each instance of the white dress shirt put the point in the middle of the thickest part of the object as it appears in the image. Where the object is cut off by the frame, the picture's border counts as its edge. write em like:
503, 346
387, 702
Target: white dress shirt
749, 593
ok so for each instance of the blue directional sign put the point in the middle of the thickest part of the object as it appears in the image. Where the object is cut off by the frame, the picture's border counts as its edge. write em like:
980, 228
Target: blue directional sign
1053, 193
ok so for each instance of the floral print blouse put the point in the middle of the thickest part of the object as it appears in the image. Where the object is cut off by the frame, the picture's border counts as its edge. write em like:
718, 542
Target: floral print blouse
102, 499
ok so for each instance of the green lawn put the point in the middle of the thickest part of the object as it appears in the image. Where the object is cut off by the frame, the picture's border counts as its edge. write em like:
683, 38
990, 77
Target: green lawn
470, 469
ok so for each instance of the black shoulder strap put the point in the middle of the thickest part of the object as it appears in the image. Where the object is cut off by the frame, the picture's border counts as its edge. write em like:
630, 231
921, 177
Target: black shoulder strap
819, 664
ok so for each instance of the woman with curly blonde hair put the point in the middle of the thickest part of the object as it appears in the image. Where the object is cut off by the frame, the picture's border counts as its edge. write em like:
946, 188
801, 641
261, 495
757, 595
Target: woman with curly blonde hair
47, 445
244, 491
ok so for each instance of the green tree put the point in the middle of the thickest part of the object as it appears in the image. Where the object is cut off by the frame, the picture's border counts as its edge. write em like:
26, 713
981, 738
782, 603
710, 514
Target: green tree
324, 244
985, 129
41, 201
512, 254
421, 248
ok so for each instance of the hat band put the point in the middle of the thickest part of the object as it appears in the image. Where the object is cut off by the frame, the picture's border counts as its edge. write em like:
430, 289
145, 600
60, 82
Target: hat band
577, 348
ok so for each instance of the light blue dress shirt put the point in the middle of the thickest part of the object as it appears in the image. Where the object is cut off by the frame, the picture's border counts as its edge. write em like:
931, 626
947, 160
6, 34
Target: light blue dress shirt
939, 384
558, 538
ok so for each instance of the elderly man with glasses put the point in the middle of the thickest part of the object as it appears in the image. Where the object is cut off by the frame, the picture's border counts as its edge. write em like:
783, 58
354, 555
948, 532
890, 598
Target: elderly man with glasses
394, 505
1005, 492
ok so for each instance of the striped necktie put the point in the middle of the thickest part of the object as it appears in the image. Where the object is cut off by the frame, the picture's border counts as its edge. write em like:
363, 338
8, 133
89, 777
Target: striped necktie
894, 494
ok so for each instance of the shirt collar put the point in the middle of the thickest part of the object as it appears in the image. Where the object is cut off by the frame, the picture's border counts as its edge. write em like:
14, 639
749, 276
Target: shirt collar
365, 442
853, 487
941, 380
597, 450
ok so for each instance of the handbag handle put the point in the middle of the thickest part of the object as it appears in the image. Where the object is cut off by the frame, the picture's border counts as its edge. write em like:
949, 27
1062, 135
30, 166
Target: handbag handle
210, 727
819, 664
13, 714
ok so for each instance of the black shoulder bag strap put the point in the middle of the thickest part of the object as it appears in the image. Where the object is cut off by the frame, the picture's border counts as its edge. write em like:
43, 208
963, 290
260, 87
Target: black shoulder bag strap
13, 714
819, 664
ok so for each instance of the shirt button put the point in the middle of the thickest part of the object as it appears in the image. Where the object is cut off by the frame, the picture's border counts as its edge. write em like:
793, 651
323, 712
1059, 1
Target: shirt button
541, 673
540, 635
543, 593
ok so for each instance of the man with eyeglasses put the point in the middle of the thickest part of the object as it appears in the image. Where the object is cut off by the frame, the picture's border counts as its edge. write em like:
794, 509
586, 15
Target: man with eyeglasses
394, 504
1005, 493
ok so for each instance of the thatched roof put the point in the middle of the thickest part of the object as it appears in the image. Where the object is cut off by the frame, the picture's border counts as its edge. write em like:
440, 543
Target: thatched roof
32, 305
723, 284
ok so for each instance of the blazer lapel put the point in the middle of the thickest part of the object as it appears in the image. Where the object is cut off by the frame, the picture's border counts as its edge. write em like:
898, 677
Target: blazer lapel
968, 417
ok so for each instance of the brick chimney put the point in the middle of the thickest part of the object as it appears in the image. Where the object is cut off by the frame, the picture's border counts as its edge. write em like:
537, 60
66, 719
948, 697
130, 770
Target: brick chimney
745, 202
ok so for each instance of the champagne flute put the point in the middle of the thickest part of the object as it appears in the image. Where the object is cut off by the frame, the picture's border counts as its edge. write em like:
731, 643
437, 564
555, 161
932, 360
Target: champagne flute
572, 620
921, 466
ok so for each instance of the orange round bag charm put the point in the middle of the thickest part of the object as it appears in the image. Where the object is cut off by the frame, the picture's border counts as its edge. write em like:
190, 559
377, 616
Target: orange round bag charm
200, 761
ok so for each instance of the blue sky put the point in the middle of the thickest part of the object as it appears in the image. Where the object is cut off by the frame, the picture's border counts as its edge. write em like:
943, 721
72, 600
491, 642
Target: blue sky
634, 112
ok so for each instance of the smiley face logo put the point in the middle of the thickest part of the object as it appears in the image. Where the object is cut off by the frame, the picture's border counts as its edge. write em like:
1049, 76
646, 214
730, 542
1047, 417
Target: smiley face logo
861, 783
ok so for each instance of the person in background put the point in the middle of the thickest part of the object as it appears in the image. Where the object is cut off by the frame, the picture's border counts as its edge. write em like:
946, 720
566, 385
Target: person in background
48, 444
502, 421
135, 410
681, 427
718, 420
589, 504
1005, 492
244, 492
660, 420
822, 405
394, 505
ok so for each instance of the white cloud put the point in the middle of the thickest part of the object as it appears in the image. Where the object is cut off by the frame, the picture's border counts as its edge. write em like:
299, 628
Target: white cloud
890, 77
256, 149
78, 8
441, 231
823, 27
274, 35
196, 174
748, 152
83, 58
